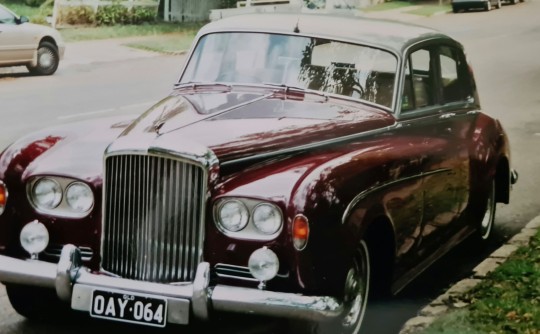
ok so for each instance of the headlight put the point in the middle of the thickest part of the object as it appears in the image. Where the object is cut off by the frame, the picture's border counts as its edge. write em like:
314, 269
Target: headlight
233, 215
47, 193
79, 197
34, 238
267, 218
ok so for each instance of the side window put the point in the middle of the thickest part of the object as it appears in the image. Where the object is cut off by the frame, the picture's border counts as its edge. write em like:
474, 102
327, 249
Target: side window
456, 81
419, 85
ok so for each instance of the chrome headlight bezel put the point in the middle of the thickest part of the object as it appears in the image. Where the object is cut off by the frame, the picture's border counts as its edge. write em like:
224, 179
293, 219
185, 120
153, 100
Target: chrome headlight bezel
54, 191
269, 226
227, 226
63, 208
75, 203
250, 231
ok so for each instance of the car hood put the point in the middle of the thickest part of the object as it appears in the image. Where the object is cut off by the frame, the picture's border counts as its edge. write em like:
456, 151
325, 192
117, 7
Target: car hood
248, 124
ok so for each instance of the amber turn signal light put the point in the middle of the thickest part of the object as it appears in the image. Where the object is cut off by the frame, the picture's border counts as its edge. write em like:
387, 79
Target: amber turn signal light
300, 232
3, 197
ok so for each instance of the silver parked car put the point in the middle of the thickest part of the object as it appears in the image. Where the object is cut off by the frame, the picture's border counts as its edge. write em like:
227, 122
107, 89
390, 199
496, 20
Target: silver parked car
37, 47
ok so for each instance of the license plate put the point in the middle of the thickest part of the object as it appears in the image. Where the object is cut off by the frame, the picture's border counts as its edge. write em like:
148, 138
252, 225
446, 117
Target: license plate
128, 307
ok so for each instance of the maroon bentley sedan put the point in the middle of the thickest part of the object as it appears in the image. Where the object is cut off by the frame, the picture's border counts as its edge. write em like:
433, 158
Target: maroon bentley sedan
296, 169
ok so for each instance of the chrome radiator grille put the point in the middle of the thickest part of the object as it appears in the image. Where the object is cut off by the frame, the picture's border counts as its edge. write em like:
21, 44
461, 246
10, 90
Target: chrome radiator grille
153, 224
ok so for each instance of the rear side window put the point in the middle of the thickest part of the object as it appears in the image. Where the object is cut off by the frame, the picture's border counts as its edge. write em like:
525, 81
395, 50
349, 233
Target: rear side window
456, 82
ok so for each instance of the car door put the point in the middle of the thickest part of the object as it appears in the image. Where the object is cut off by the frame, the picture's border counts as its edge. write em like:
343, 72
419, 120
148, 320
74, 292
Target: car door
441, 124
17, 42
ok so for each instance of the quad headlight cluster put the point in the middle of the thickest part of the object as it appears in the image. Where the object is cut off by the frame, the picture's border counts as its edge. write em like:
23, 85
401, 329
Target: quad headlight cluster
248, 219
60, 196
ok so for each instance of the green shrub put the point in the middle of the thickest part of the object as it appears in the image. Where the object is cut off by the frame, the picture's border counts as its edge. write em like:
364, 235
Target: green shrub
39, 19
46, 8
34, 3
142, 15
76, 15
112, 14
228, 3
118, 14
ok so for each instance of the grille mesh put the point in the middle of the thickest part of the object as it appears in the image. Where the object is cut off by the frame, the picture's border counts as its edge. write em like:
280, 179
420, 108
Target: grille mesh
153, 228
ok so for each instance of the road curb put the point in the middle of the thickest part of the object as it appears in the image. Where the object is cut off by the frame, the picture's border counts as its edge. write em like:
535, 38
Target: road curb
451, 300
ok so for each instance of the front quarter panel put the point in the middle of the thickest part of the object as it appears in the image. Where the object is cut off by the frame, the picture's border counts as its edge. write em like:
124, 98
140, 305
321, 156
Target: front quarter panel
73, 151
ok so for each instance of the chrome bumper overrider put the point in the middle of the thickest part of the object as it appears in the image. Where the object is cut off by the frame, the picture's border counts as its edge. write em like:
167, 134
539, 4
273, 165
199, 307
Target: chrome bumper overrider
74, 283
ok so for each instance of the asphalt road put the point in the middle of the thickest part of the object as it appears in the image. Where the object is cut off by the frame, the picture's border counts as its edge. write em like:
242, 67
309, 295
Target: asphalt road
503, 46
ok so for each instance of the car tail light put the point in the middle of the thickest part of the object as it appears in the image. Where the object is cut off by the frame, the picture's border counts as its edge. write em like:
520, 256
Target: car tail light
3, 197
300, 231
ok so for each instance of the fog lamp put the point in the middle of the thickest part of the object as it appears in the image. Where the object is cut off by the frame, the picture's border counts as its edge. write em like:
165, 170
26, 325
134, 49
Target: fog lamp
263, 265
34, 238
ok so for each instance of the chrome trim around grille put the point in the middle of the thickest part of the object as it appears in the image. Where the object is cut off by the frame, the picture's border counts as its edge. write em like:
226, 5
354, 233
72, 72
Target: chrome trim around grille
236, 272
153, 222
56, 250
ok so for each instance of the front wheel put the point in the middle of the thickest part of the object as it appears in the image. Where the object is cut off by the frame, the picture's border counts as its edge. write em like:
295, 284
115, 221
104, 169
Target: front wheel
355, 297
36, 304
47, 59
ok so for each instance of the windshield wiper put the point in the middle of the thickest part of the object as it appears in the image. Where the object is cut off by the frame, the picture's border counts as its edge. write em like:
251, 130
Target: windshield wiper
196, 85
293, 89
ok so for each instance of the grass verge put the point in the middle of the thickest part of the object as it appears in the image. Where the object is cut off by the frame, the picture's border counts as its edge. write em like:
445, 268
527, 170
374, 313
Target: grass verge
388, 6
507, 301
169, 43
121, 31
20, 8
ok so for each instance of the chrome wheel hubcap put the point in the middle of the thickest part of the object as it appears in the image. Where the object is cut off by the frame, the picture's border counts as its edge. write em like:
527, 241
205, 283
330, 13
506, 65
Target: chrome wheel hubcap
46, 58
356, 291
487, 220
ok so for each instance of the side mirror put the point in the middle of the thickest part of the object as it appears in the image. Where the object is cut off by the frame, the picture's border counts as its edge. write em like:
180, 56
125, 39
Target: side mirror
23, 19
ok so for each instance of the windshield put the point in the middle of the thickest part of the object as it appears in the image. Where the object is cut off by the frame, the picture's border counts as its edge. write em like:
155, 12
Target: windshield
309, 63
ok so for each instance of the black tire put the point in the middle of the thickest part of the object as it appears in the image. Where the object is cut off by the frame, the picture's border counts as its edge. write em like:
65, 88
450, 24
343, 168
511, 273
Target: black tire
498, 5
514, 2
37, 304
356, 292
487, 221
487, 6
455, 9
47, 59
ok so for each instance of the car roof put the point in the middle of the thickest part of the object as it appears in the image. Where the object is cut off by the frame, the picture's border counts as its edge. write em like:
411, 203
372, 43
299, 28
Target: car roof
395, 36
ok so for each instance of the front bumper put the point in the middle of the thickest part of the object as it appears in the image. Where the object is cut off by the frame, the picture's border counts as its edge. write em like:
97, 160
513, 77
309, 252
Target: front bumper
74, 283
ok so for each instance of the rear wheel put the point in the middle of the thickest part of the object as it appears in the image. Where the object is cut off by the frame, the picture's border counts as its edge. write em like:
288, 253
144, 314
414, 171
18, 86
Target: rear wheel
498, 5
487, 6
488, 220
